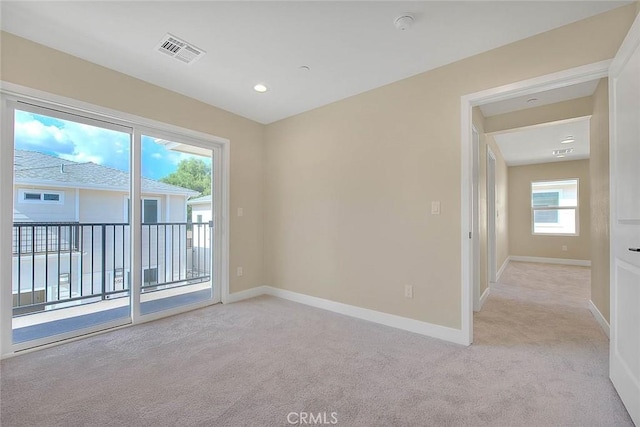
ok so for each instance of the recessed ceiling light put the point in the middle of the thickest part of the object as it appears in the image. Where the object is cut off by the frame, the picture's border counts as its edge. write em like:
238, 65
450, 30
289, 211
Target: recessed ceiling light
568, 140
260, 88
530, 100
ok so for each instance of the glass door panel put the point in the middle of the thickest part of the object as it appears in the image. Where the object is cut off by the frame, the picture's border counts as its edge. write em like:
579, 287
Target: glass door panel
71, 238
177, 225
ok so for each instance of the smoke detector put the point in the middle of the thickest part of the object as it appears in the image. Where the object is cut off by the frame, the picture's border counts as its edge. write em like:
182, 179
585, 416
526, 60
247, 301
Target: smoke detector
403, 22
179, 49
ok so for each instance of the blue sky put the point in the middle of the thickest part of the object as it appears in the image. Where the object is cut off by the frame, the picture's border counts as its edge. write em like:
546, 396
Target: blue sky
84, 143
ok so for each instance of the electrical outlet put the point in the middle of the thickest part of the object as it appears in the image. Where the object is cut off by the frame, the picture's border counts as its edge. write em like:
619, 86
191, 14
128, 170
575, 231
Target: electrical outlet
239, 271
408, 291
564, 248
240, 211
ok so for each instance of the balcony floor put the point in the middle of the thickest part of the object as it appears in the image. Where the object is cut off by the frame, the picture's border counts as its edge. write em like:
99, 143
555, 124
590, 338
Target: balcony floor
49, 323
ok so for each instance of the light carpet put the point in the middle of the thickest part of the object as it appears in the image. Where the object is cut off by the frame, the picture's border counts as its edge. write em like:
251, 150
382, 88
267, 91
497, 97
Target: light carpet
539, 359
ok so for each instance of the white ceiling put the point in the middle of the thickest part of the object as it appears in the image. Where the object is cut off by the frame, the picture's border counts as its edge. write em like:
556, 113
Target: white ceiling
536, 144
539, 99
351, 47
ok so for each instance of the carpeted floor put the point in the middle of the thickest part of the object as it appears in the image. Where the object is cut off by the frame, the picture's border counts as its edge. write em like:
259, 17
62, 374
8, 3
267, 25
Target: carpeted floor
539, 359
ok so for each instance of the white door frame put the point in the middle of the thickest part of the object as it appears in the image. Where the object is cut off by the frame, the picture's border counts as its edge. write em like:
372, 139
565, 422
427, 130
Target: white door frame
560, 79
492, 256
475, 215
11, 92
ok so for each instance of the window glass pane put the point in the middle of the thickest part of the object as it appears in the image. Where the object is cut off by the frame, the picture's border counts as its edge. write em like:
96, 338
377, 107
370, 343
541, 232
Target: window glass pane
551, 198
546, 216
150, 211
554, 193
177, 252
68, 243
554, 221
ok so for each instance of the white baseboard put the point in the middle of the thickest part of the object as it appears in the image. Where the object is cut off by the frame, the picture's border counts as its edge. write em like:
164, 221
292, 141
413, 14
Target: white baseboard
504, 265
484, 297
580, 262
599, 318
392, 320
242, 295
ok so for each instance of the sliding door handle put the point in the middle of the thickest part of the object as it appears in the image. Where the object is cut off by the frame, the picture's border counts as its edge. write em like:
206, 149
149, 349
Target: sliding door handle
634, 249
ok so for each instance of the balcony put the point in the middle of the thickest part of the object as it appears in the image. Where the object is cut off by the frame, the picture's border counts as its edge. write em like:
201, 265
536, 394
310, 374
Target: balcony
69, 276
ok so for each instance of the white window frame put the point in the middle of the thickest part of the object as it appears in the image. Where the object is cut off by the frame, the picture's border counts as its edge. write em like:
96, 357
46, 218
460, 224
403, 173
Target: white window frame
576, 208
13, 96
22, 194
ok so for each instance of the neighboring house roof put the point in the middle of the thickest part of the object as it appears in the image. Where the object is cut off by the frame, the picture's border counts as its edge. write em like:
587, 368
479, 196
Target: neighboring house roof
34, 168
200, 200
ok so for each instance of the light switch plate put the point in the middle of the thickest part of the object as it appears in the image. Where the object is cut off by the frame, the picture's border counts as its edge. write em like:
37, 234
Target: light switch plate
435, 208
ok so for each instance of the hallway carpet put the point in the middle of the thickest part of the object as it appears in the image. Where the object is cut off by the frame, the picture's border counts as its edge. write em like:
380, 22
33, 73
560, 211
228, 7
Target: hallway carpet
539, 359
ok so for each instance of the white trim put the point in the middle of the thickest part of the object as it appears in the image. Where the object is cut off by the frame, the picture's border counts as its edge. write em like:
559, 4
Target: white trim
77, 204
563, 261
475, 211
246, 294
560, 79
484, 297
504, 265
392, 320
6, 223
599, 318
404, 323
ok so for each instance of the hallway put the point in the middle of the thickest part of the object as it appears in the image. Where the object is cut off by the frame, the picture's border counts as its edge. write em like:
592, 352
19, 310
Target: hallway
537, 321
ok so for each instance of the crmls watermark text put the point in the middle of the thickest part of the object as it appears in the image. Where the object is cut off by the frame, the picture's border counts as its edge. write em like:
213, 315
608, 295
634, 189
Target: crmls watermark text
310, 418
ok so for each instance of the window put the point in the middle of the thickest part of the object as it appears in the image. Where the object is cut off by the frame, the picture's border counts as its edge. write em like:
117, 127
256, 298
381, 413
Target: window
41, 196
554, 207
149, 211
199, 217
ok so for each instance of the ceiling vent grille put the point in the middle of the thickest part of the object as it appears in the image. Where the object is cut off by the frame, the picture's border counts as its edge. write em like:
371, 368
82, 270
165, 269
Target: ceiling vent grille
179, 49
562, 152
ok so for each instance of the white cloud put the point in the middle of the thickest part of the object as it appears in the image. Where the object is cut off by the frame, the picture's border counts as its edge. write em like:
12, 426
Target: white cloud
71, 140
82, 158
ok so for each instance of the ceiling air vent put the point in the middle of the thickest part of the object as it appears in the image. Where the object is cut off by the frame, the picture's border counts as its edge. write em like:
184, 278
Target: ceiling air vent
562, 152
179, 49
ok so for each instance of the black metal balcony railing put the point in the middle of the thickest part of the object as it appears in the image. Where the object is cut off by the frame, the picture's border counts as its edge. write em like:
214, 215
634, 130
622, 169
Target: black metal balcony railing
63, 263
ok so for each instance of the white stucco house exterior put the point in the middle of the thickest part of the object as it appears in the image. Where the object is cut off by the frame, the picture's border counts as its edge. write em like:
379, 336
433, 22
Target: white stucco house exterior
71, 232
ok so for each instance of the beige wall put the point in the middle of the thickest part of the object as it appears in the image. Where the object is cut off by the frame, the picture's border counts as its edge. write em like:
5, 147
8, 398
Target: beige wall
502, 223
522, 242
580, 107
349, 186
599, 178
29, 64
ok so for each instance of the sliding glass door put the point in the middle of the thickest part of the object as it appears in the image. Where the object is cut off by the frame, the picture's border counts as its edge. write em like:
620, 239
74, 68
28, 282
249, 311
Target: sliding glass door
70, 239
84, 257
177, 224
